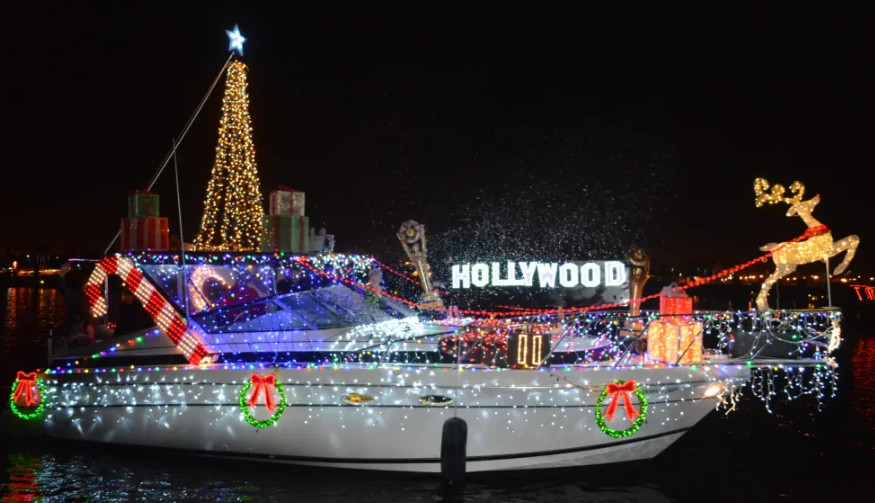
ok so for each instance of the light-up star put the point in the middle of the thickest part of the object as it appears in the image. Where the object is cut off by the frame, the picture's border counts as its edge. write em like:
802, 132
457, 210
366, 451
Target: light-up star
236, 40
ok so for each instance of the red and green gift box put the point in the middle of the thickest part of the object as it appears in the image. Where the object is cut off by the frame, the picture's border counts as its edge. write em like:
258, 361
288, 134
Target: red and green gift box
286, 201
143, 204
145, 234
289, 233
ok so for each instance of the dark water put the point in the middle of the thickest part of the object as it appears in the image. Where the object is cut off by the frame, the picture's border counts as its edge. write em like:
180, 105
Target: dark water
795, 454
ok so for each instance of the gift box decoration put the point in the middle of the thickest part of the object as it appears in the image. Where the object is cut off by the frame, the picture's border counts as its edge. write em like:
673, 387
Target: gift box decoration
674, 301
145, 234
143, 204
286, 201
288, 233
526, 349
669, 338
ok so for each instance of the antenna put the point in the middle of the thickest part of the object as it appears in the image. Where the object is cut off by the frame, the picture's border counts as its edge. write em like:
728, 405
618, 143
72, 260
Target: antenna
172, 153
181, 236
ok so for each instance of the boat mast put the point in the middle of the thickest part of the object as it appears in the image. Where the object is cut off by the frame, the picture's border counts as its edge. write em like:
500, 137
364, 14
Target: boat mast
181, 235
181, 137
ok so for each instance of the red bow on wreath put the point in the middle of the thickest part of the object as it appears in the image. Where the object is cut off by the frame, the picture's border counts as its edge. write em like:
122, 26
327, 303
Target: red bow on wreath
261, 383
26, 382
618, 391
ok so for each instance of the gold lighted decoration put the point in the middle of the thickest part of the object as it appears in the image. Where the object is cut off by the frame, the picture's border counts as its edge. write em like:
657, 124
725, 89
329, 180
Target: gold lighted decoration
835, 337
818, 245
639, 273
356, 399
675, 340
522, 351
233, 208
412, 237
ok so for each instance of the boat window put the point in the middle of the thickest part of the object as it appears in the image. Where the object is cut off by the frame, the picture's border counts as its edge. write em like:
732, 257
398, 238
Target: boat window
296, 311
213, 287
331, 307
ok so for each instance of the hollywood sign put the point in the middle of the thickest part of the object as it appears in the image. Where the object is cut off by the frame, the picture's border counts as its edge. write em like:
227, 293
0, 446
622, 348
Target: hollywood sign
609, 273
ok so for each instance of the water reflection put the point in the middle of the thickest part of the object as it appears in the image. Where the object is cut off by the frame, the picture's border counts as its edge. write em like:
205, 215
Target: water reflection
69, 472
28, 316
32, 309
863, 370
23, 484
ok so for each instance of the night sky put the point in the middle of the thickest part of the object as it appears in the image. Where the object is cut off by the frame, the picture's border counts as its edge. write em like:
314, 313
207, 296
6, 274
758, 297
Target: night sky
526, 135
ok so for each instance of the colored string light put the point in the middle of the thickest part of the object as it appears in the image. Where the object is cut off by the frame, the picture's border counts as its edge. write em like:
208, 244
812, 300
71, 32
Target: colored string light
402, 275
162, 312
233, 207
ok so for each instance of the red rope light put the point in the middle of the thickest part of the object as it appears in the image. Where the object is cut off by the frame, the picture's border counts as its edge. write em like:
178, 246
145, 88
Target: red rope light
522, 311
402, 275
306, 263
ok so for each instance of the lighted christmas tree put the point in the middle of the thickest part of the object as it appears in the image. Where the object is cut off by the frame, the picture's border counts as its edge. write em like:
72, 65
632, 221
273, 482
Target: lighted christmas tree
233, 207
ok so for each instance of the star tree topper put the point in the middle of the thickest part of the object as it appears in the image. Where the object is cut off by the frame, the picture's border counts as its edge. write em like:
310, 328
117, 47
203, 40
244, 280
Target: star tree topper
235, 40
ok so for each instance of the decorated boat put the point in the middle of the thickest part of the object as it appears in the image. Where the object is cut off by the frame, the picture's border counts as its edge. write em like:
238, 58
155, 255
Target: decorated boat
264, 343
297, 358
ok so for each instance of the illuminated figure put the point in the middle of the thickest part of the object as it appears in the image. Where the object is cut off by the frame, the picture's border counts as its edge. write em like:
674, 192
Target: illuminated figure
412, 237
200, 298
818, 245
639, 273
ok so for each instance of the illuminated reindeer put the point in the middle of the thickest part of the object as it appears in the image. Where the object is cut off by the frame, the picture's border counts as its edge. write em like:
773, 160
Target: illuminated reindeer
818, 245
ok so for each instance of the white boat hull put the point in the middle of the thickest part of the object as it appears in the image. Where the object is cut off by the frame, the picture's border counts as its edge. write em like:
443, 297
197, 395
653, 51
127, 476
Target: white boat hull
516, 419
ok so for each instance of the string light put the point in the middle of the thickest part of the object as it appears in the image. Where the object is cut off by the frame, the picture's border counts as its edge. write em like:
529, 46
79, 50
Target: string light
388, 367
197, 282
675, 339
817, 245
233, 208
185, 336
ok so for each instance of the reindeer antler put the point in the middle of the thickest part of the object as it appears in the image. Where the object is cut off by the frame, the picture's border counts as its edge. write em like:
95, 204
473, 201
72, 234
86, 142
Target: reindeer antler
798, 191
761, 185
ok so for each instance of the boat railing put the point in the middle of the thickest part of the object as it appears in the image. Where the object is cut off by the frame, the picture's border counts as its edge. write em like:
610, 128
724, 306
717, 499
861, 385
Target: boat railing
612, 338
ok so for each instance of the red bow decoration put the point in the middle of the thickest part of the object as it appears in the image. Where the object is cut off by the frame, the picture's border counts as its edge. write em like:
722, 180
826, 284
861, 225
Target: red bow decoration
621, 390
26, 383
261, 383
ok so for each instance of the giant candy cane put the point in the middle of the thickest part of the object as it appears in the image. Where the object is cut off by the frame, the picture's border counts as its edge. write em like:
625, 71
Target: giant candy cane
175, 326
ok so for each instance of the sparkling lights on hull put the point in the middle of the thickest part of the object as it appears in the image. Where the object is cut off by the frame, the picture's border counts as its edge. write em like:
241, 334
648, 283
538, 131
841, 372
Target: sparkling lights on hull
516, 419
314, 373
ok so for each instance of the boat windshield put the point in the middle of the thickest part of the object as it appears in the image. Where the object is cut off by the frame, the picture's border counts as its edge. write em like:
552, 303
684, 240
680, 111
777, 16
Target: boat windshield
330, 307
213, 286
256, 293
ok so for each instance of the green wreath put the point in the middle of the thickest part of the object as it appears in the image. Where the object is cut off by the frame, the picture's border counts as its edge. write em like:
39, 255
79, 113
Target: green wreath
269, 421
39, 409
642, 416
